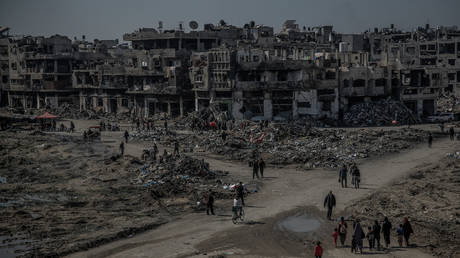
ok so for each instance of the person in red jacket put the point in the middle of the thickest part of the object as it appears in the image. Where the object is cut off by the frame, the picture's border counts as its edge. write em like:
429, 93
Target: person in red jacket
318, 250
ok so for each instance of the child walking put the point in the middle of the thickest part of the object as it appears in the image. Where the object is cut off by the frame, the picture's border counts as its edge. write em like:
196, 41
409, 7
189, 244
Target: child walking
370, 237
318, 250
335, 235
400, 234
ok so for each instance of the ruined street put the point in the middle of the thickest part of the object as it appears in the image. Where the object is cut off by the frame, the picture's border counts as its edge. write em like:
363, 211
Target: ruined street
285, 192
221, 129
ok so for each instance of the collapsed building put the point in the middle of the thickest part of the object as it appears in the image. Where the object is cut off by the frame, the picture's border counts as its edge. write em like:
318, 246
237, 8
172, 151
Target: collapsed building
250, 71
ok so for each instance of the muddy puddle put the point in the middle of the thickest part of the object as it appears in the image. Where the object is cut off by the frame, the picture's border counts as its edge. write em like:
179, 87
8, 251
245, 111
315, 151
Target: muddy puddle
299, 224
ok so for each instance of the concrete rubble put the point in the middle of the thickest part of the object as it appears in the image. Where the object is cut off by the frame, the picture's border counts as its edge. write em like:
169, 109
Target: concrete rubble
448, 103
379, 113
300, 144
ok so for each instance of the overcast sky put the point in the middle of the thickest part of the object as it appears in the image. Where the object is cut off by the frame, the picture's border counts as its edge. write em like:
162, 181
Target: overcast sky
109, 19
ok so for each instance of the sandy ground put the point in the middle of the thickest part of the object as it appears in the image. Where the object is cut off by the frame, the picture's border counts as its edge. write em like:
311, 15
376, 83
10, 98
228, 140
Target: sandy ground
284, 191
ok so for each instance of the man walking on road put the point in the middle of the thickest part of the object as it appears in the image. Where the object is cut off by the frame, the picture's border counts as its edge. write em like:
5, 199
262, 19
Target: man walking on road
126, 136
122, 148
329, 201
240, 192
176, 148
261, 167
343, 176
210, 202
255, 169
451, 133
430, 140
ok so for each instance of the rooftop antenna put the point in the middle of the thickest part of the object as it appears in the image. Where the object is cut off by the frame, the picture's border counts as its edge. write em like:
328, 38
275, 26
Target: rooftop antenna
181, 26
193, 25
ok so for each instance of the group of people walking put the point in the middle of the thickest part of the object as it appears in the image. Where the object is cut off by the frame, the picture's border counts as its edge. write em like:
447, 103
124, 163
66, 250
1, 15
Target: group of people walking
353, 170
373, 234
258, 165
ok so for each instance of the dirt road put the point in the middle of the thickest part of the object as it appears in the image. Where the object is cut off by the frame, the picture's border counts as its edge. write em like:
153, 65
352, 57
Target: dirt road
284, 191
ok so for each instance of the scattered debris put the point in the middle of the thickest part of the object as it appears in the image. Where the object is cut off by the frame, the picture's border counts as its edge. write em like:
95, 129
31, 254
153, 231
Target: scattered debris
379, 113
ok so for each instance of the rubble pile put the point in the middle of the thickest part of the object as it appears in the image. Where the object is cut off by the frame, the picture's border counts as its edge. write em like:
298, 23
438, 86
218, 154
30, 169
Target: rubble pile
429, 198
155, 134
181, 175
447, 103
201, 119
294, 143
379, 113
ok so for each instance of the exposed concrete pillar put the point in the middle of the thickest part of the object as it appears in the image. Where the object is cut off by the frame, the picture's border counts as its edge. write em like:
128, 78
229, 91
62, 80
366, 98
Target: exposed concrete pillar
105, 104
196, 102
55, 66
167, 43
38, 101
10, 100
24, 102
146, 108
237, 104
268, 107
419, 108
169, 108
181, 106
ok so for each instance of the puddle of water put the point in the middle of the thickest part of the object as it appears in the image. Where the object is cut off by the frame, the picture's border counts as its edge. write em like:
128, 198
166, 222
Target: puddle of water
299, 224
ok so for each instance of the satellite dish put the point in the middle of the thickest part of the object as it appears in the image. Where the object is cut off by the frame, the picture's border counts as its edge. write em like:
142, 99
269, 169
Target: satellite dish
193, 25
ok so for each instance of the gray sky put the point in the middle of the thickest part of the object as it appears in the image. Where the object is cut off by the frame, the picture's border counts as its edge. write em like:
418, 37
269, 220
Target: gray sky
109, 19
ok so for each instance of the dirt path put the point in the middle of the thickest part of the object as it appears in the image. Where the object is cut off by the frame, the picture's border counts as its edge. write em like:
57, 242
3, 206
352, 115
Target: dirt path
283, 190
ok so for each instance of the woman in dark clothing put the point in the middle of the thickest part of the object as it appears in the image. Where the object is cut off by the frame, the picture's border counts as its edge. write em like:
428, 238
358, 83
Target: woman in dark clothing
386, 230
407, 230
376, 229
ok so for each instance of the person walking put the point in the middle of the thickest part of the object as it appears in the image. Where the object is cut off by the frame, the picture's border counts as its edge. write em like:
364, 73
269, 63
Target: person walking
335, 235
255, 169
126, 136
377, 229
261, 167
240, 192
122, 148
318, 250
342, 227
355, 176
210, 202
430, 140
358, 235
370, 238
407, 228
166, 125
72, 127
343, 176
329, 202
400, 234
176, 148
386, 231
451, 133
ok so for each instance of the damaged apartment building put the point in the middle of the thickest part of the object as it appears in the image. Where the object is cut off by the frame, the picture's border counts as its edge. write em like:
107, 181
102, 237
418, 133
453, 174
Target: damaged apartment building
249, 71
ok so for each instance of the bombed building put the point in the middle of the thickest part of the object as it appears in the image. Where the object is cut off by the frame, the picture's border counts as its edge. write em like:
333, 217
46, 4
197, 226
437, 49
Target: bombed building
251, 72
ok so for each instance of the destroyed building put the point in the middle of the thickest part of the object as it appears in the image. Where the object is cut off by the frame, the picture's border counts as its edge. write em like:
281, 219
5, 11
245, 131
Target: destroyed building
251, 72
